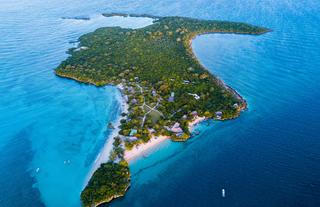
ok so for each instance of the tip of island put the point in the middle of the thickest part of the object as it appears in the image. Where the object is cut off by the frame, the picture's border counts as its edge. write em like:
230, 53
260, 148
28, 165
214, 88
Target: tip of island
165, 88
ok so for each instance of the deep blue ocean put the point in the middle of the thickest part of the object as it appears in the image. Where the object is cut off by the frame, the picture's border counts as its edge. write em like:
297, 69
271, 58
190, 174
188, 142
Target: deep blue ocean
52, 129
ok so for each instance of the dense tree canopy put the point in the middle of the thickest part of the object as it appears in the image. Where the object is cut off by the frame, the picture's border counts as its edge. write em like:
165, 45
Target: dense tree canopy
111, 180
158, 58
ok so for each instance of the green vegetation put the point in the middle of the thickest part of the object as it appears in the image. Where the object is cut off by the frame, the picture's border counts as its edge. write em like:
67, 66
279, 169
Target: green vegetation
117, 153
154, 63
110, 181
164, 84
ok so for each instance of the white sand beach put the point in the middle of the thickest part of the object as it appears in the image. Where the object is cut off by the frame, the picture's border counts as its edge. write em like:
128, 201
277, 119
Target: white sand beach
136, 151
196, 121
103, 156
139, 150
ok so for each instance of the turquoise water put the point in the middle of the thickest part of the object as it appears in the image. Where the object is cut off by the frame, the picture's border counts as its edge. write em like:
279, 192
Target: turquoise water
267, 157
52, 129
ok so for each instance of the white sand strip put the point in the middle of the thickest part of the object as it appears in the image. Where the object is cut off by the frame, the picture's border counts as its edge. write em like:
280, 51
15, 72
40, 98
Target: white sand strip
103, 156
139, 150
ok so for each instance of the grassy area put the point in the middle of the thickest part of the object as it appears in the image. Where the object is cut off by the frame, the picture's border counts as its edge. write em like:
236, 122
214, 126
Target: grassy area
154, 116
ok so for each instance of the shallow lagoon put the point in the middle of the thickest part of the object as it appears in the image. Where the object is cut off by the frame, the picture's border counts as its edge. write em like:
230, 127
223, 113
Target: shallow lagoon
54, 128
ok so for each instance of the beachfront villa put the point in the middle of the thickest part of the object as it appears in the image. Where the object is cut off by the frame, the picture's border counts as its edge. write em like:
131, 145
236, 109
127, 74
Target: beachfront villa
218, 114
131, 89
194, 113
171, 98
131, 139
176, 128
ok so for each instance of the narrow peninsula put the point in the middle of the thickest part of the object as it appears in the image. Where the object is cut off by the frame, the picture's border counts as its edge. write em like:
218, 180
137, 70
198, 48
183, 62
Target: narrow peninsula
165, 87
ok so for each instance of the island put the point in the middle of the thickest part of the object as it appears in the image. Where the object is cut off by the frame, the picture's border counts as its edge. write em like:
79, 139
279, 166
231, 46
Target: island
165, 87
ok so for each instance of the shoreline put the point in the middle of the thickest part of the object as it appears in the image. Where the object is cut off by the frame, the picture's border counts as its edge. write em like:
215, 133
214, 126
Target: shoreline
195, 122
133, 154
219, 80
141, 149
105, 151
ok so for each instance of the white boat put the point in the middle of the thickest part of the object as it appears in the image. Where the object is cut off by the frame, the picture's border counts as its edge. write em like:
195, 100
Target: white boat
223, 193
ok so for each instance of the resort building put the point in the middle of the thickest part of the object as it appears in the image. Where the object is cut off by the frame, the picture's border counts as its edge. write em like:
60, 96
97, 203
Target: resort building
218, 114
154, 93
171, 98
194, 113
176, 128
134, 101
